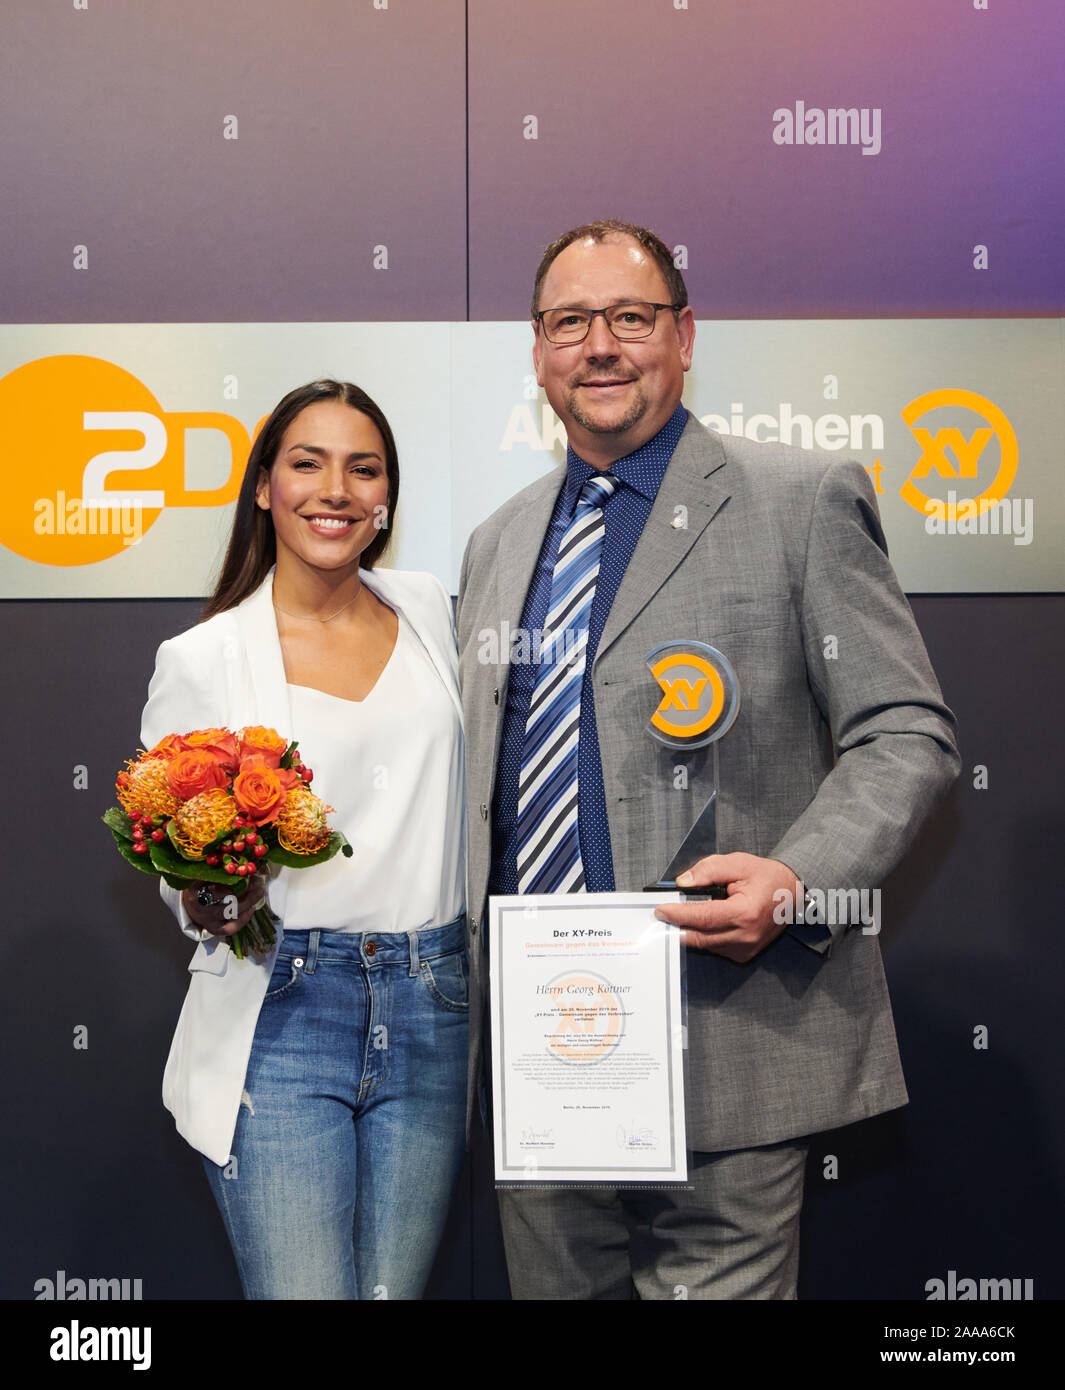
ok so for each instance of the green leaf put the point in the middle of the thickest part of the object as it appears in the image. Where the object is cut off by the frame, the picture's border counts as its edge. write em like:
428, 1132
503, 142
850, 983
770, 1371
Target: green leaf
139, 861
286, 756
118, 822
168, 861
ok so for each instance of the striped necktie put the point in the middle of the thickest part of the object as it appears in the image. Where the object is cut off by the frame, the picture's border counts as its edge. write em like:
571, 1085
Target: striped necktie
548, 849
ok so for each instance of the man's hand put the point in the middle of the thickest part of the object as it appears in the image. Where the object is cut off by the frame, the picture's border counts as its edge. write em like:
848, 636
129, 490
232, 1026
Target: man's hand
741, 925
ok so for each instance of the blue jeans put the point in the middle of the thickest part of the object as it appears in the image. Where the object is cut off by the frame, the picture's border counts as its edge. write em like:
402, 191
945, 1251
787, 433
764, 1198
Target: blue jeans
352, 1129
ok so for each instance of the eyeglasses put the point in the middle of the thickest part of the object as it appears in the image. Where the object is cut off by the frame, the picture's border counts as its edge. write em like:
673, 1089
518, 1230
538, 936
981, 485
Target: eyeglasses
625, 321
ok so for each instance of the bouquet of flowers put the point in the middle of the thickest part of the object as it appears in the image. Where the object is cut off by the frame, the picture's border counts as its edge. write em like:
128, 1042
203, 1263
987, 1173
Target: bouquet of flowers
221, 807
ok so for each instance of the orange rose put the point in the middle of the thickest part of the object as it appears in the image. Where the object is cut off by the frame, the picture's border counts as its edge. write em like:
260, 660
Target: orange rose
258, 790
287, 776
193, 772
167, 747
220, 743
256, 741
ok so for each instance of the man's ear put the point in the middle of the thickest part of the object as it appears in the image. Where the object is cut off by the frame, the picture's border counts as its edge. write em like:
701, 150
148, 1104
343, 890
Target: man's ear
538, 352
262, 490
686, 335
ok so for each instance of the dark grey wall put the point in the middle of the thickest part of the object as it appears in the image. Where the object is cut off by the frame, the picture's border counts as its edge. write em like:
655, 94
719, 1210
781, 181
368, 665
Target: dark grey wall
966, 1178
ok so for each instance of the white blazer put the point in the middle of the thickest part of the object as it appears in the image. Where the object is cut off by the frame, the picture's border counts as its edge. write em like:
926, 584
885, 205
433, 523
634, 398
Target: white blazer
229, 672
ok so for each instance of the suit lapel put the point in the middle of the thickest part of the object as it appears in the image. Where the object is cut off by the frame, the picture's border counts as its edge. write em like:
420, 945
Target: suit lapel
694, 489
519, 546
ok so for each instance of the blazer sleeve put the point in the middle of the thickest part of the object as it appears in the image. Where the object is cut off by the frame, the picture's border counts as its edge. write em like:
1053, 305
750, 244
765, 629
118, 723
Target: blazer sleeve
869, 673
181, 696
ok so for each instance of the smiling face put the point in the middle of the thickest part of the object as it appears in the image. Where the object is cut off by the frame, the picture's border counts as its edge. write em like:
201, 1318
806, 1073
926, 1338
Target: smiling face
612, 396
327, 491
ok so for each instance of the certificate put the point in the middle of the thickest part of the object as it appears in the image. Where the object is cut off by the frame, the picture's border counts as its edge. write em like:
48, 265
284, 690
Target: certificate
587, 1040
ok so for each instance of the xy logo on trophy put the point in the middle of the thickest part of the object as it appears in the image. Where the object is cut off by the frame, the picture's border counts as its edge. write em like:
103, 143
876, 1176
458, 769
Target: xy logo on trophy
972, 460
700, 702
700, 695
92, 459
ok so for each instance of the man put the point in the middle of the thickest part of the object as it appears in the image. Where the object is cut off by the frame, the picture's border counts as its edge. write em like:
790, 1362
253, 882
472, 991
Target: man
775, 557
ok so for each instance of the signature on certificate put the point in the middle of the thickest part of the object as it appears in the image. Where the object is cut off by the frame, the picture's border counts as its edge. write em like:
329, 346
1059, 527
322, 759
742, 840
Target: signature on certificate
529, 1135
636, 1136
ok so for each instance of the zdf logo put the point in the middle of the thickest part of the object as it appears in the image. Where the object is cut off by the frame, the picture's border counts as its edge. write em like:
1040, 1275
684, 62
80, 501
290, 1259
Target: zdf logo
91, 459
974, 474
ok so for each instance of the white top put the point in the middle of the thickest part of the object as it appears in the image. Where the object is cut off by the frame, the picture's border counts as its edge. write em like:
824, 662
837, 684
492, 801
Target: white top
391, 765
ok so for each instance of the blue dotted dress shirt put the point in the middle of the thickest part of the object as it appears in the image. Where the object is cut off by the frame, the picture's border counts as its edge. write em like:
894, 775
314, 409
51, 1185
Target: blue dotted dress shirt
624, 517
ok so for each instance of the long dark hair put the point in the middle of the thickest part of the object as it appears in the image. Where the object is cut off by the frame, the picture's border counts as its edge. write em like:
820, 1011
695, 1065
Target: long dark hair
252, 544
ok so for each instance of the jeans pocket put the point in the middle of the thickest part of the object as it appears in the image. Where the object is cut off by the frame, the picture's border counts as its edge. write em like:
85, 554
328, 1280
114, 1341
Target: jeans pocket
447, 981
284, 979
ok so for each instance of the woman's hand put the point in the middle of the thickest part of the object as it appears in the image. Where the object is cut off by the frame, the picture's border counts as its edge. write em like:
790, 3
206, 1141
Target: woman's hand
226, 913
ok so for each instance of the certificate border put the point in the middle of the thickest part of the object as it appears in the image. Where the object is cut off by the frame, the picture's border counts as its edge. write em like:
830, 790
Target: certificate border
505, 1170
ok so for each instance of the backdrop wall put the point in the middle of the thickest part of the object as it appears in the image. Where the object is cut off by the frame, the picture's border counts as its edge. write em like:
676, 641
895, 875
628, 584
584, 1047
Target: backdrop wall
205, 206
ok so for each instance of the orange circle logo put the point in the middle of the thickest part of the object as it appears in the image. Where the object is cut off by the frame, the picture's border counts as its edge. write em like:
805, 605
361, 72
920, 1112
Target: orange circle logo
48, 449
700, 696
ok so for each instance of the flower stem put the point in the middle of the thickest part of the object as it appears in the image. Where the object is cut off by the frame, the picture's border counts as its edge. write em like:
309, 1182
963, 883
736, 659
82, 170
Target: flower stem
256, 936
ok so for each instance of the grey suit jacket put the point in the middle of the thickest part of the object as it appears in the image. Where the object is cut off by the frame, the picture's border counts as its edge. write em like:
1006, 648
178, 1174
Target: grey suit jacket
842, 746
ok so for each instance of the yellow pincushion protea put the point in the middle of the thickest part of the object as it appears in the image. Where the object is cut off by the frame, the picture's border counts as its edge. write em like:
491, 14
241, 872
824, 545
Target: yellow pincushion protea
201, 820
301, 825
144, 790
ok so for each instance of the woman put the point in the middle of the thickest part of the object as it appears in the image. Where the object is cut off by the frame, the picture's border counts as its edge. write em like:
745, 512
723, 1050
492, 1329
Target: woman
325, 1083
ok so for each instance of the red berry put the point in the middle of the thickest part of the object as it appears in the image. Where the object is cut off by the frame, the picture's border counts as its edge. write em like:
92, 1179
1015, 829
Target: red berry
308, 775
213, 859
140, 847
260, 850
242, 870
138, 834
146, 820
227, 844
238, 845
231, 868
238, 821
158, 835
250, 838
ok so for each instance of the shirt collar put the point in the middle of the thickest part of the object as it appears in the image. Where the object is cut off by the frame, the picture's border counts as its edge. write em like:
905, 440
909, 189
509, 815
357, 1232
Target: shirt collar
642, 470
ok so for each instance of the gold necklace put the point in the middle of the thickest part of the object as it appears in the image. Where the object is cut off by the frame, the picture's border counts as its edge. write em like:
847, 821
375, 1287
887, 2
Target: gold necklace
309, 618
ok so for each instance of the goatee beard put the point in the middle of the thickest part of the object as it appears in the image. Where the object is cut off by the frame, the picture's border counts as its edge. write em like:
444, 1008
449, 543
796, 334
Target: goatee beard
595, 426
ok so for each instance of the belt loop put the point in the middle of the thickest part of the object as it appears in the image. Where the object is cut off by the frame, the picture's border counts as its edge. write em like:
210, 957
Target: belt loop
415, 964
312, 950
